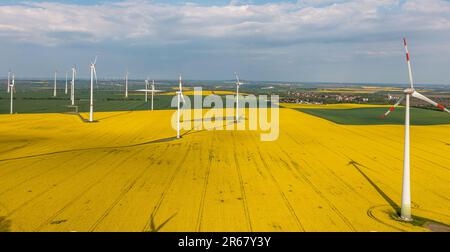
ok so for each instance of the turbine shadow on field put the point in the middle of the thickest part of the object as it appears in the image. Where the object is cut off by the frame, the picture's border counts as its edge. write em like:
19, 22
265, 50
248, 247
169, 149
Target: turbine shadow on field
106, 117
223, 118
162, 140
168, 139
154, 228
382, 194
5, 224
191, 131
115, 115
430, 224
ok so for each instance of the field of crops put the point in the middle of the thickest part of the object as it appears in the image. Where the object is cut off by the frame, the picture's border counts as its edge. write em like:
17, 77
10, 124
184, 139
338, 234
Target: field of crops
41, 101
371, 116
127, 173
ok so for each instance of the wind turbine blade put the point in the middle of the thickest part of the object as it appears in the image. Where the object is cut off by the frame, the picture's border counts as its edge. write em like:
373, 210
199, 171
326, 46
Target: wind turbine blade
409, 64
392, 108
237, 78
148, 90
426, 99
182, 98
95, 60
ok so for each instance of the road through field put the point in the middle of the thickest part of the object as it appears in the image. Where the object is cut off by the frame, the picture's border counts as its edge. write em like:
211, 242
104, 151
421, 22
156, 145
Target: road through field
127, 172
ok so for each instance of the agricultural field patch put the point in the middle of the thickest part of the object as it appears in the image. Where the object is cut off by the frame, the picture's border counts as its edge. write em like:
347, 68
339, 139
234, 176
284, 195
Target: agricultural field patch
371, 116
38, 101
331, 106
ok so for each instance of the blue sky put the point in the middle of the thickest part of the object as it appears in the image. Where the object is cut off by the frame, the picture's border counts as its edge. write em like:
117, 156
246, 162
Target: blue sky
305, 40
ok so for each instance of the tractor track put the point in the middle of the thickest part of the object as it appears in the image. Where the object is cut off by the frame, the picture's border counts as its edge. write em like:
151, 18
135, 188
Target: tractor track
165, 190
242, 187
91, 185
205, 188
124, 192
50, 188
93, 148
37, 175
280, 191
320, 194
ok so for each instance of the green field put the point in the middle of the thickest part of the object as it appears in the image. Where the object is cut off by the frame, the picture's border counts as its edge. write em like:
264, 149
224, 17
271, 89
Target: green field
371, 116
41, 101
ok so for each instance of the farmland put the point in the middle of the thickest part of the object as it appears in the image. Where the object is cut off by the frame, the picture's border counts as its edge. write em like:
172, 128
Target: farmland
38, 101
371, 115
127, 172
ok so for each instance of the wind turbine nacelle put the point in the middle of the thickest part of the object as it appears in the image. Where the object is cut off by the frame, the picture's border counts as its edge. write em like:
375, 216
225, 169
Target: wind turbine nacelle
409, 91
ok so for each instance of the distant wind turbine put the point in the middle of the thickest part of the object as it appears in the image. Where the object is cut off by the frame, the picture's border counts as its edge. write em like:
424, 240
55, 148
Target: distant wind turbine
238, 83
180, 97
72, 86
91, 102
12, 87
152, 91
126, 84
65, 90
406, 187
54, 85
146, 92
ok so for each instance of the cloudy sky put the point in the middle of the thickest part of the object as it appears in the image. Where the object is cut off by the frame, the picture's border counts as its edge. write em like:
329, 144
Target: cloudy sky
305, 40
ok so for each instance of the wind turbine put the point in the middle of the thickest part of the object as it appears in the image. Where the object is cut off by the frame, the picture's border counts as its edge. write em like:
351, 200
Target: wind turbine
180, 97
65, 90
238, 83
405, 213
54, 85
146, 87
91, 102
9, 80
72, 86
12, 93
152, 91
126, 85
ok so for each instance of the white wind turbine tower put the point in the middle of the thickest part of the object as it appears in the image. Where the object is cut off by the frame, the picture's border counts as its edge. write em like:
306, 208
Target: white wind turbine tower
11, 89
126, 84
406, 187
238, 83
180, 97
91, 102
72, 86
9, 80
146, 92
54, 85
152, 91
65, 90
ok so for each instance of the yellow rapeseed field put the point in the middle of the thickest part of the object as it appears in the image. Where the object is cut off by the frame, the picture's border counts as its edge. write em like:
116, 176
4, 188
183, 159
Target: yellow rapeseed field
127, 173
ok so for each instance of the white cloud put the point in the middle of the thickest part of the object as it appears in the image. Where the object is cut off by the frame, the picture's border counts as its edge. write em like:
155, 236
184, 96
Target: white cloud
342, 40
148, 22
